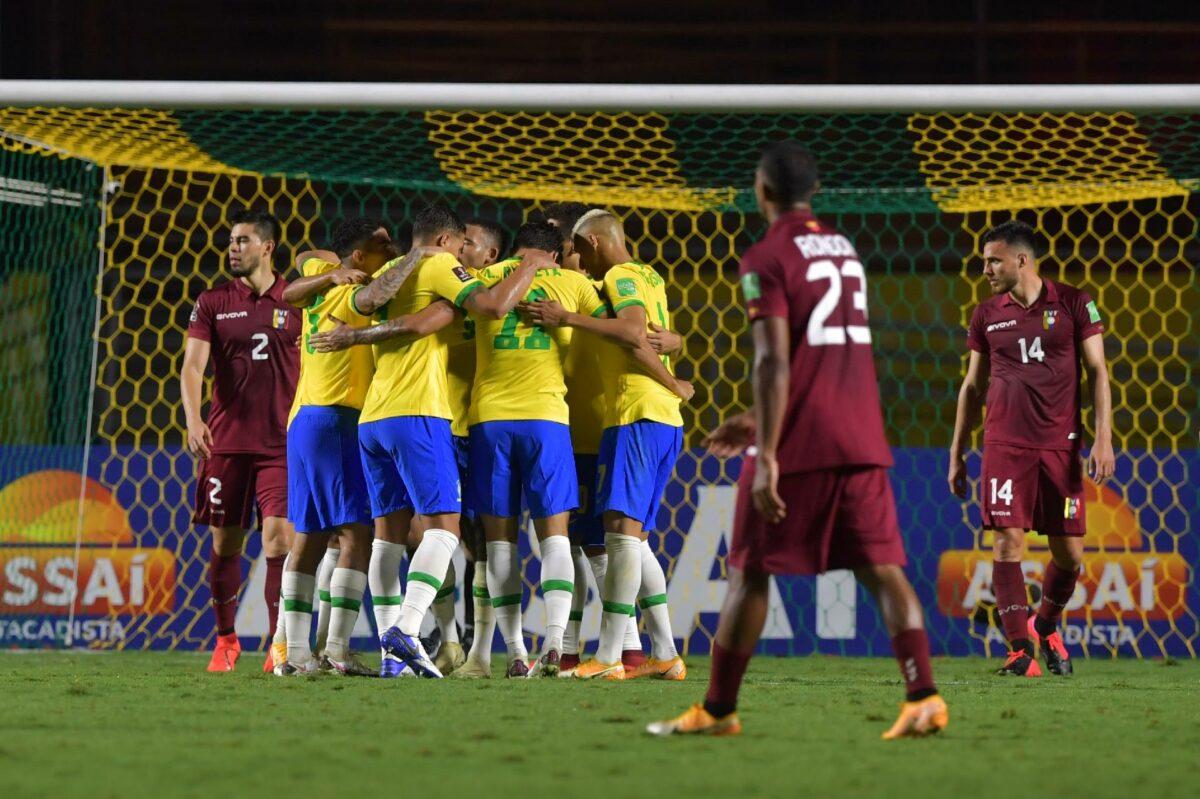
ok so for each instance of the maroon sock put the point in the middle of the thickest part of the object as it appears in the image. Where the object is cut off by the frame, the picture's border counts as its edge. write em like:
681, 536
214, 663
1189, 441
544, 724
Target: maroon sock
1012, 603
272, 588
728, 668
911, 648
1057, 588
225, 578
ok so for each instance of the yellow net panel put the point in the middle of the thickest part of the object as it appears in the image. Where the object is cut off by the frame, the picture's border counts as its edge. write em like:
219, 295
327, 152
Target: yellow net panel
1111, 194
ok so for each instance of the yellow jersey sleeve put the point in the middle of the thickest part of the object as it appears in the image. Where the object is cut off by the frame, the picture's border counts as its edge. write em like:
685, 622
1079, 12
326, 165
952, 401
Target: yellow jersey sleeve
333, 378
449, 279
315, 266
588, 299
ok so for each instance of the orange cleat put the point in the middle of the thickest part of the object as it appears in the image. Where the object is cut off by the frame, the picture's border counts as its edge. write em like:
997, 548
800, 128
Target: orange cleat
1020, 664
1058, 661
918, 719
673, 669
225, 656
595, 670
697, 721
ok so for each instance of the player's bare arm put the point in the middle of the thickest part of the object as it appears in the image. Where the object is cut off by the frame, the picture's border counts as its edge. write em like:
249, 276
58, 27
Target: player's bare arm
495, 302
970, 402
300, 292
424, 322
191, 385
732, 436
1101, 460
628, 330
385, 285
770, 380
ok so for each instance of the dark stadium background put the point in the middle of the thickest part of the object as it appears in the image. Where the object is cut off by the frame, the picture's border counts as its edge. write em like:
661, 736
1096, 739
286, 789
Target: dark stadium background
749, 41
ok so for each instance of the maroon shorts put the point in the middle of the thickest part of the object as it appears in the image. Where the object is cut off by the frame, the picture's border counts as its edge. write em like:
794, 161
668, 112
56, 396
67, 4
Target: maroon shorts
1034, 489
836, 519
229, 486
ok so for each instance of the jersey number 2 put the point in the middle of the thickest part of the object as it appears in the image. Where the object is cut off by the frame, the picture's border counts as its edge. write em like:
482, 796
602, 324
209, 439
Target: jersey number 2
259, 353
819, 333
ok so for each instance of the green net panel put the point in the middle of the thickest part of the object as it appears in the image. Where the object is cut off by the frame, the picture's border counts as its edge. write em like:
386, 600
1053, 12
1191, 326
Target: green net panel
1111, 193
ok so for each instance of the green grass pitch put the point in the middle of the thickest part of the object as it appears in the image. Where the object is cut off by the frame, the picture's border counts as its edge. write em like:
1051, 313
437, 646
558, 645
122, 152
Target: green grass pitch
157, 725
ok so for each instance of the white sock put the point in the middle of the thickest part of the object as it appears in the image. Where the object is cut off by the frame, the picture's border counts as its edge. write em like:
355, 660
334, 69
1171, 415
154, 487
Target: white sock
280, 635
571, 643
504, 584
652, 596
383, 575
425, 573
324, 573
599, 564
632, 642
443, 607
297, 609
346, 593
558, 588
485, 617
621, 586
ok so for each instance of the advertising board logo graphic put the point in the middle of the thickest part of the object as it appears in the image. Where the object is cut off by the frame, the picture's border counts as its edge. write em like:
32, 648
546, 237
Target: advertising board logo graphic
1121, 579
39, 514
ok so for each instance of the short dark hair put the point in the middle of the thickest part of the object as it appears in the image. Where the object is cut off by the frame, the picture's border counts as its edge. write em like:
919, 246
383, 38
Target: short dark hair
353, 233
264, 222
434, 220
1014, 231
499, 237
539, 236
790, 170
567, 215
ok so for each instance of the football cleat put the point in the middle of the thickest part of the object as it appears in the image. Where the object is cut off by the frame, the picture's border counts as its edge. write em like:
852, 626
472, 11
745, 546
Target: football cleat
226, 653
595, 670
391, 667
673, 669
917, 719
697, 721
632, 658
449, 657
517, 668
275, 655
408, 648
350, 666
289, 669
473, 670
567, 664
1020, 664
548, 665
1053, 650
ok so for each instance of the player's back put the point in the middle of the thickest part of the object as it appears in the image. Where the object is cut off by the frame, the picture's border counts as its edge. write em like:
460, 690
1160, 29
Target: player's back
808, 274
519, 367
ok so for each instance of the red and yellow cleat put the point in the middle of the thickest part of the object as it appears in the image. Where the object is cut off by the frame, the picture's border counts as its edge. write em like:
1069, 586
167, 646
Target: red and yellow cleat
276, 656
225, 656
673, 669
918, 719
697, 721
595, 670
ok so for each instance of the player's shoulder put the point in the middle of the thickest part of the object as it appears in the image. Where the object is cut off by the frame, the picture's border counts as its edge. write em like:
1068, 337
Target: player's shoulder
637, 270
988, 306
221, 293
314, 266
496, 271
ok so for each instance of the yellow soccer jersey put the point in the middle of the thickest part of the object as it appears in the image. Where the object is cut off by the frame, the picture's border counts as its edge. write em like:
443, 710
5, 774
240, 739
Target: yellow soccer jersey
460, 337
629, 394
332, 378
410, 374
518, 366
585, 392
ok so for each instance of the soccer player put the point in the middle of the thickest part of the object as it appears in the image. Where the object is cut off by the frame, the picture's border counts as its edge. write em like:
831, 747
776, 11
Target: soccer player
641, 441
407, 444
521, 445
327, 492
585, 400
483, 244
249, 333
1026, 343
815, 496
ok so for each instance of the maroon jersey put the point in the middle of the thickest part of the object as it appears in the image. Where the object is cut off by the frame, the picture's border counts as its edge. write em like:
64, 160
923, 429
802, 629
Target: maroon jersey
809, 274
1033, 399
255, 364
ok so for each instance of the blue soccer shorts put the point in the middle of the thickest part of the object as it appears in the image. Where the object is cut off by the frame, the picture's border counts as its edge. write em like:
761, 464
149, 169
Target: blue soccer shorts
525, 458
586, 529
326, 486
411, 464
635, 464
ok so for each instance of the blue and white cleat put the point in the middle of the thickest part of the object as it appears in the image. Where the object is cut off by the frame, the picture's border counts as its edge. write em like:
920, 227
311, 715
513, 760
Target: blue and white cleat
408, 649
391, 667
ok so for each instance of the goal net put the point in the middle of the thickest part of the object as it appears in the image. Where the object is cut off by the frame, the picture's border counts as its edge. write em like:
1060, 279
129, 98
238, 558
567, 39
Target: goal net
114, 219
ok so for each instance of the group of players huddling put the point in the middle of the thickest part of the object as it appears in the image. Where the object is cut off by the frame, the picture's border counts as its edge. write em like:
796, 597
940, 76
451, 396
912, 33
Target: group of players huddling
441, 395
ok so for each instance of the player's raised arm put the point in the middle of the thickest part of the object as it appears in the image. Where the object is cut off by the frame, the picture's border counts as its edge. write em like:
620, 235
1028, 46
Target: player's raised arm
770, 384
191, 384
495, 302
385, 285
424, 322
1101, 460
970, 402
301, 291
